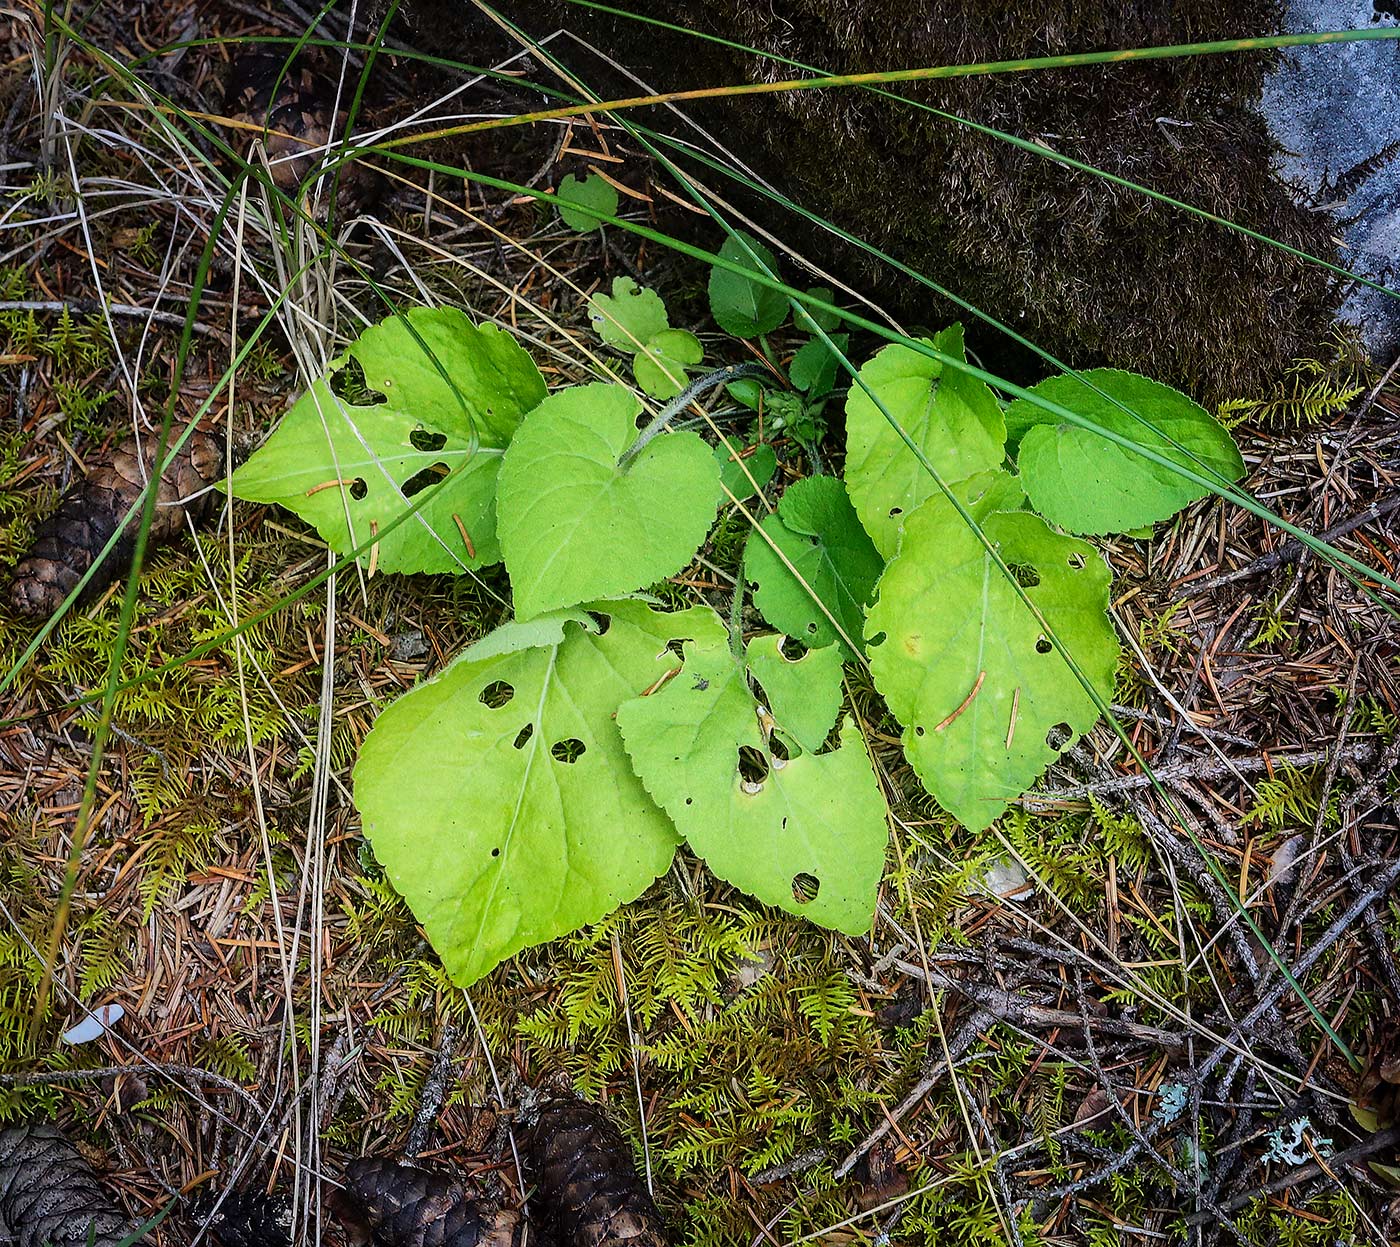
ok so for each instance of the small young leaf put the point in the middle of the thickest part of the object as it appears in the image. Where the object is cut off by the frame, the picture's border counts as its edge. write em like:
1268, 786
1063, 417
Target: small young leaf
575, 525
816, 528
748, 474
827, 321
814, 821
628, 318
953, 418
660, 366
593, 192
804, 693
746, 391
352, 470
986, 700
498, 795
813, 368
785, 409
1088, 484
740, 305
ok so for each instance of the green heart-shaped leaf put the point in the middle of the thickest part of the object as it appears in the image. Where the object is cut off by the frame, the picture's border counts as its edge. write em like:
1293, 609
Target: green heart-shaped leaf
660, 366
439, 399
809, 835
575, 525
593, 192
1088, 484
986, 700
816, 530
498, 795
953, 418
628, 318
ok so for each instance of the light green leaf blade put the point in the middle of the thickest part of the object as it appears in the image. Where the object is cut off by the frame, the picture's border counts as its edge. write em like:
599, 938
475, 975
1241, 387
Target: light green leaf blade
804, 693
628, 318
965, 666
351, 470
740, 305
574, 526
517, 634
954, 419
817, 529
593, 192
660, 367
754, 468
495, 839
813, 818
1088, 484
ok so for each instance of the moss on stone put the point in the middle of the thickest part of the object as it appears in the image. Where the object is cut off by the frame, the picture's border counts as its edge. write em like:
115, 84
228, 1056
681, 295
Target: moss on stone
1091, 272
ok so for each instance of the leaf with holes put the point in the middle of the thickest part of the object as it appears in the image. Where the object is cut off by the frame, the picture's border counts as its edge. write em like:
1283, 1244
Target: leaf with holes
806, 833
987, 702
436, 383
816, 529
804, 693
660, 366
742, 306
499, 797
575, 525
628, 318
953, 418
592, 192
1088, 484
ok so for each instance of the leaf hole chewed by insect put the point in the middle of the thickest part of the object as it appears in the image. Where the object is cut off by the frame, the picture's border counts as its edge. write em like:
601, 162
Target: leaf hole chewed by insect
358, 489
918, 731
1076, 561
1058, 736
523, 736
876, 640
568, 751
496, 852
496, 694
1024, 575
423, 439
348, 384
604, 622
778, 747
896, 512
812, 627
677, 647
420, 481
805, 888
1043, 646
753, 766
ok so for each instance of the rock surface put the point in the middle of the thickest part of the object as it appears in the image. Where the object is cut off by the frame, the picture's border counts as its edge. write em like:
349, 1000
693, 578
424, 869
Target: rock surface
1335, 112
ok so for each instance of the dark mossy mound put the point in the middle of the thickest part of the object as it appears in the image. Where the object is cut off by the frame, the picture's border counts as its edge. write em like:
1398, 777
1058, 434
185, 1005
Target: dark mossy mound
1092, 272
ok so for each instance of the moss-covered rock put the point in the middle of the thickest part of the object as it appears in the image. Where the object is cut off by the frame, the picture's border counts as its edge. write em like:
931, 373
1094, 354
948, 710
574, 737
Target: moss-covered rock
1091, 271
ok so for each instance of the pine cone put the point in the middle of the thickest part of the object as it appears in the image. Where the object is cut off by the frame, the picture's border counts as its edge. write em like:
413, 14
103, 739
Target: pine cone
49, 1195
247, 1219
588, 1189
294, 107
406, 1206
66, 543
